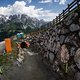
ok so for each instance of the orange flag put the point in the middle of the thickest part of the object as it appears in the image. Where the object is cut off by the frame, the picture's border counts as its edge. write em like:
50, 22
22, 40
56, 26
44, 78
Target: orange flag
8, 45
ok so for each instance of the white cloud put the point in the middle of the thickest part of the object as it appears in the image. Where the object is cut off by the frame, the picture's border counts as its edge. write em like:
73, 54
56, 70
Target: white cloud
19, 7
45, 1
62, 2
29, 1
56, 0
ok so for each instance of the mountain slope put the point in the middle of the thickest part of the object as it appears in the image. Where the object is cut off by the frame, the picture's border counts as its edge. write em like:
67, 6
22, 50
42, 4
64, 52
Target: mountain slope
10, 25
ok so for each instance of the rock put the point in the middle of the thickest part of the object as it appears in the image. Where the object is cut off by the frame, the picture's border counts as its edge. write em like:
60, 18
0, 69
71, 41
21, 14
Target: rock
59, 26
70, 19
64, 54
56, 30
67, 21
54, 47
77, 58
57, 38
72, 68
62, 38
53, 38
20, 60
59, 31
1, 68
21, 56
46, 55
41, 43
49, 45
57, 47
18, 63
61, 41
67, 40
75, 18
55, 66
53, 34
74, 27
51, 57
72, 51
77, 76
79, 34
73, 36
64, 31
79, 21
75, 43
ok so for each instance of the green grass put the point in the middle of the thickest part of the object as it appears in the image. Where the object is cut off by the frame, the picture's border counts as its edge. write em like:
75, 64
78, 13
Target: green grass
7, 60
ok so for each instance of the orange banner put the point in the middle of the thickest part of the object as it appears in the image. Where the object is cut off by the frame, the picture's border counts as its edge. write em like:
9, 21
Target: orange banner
8, 45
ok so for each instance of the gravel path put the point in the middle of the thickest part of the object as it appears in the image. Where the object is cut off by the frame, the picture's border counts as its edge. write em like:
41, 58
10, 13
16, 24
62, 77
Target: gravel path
32, 69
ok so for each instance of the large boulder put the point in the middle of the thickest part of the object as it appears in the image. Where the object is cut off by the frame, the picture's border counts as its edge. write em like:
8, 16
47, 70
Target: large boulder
62, 38
72, 51
70, 19
74, 27
67, 39
64, 54
51, 57
65, 31
77, 58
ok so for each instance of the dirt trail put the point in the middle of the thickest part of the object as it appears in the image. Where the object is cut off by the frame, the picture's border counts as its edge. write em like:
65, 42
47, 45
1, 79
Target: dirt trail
31, 69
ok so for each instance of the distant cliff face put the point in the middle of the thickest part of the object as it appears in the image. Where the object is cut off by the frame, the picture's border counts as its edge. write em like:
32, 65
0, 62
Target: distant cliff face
15, 23
24, 19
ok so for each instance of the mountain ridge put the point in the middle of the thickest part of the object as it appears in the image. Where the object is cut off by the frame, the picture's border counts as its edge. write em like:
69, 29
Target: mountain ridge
10, 25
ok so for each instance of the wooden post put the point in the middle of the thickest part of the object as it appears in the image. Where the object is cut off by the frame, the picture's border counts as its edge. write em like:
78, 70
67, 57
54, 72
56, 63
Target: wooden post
50, 24
68, 8
63, 14
59, 17
53, 22
78, 4
56, 19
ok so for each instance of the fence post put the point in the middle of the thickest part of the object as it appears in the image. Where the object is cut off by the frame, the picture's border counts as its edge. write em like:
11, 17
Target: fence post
78, 4
56, 19
49, 24
63, 14
53, 22
59, 17
68, 8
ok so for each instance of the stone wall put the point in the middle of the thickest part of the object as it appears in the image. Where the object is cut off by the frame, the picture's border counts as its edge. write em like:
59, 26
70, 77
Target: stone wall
60, 45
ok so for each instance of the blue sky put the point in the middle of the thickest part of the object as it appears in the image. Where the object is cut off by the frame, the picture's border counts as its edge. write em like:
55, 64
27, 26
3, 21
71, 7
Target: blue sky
41, 9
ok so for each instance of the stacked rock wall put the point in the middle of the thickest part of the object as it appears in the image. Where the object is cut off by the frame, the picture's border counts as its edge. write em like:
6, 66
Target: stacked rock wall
60, 45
